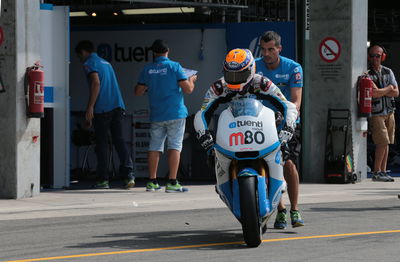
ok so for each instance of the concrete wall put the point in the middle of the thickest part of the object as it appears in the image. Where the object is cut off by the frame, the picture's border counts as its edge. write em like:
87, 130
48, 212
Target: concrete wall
359, 64
331, 83
19, 151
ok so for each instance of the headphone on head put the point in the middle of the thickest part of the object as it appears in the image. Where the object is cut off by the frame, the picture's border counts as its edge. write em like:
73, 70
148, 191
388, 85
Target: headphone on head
384, 54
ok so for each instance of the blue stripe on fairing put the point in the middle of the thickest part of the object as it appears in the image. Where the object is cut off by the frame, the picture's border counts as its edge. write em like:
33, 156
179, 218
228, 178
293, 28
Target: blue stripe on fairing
236, 199
275, 187
226, 195
263, 201
278, 157
247, 172
230, 195
262, 153
46, 7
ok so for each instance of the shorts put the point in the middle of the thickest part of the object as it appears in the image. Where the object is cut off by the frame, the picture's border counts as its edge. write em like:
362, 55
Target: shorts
382, 129
295, 144
172, 130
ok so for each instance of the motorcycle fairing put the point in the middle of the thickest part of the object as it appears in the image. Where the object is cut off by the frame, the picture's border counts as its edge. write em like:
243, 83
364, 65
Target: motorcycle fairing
229, 193
255, 155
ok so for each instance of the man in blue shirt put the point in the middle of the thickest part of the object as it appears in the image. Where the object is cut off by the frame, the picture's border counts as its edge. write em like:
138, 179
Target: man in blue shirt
106, 107
165, 82
288, 76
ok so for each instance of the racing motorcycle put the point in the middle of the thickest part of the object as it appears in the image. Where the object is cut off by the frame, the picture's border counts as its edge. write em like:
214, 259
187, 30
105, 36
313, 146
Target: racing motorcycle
248, 164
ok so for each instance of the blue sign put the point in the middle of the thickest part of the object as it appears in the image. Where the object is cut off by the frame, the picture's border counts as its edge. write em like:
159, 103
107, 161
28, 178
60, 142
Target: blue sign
247, 35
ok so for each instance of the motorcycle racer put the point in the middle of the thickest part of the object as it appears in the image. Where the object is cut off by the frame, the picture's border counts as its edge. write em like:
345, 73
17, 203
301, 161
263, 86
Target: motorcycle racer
240, 80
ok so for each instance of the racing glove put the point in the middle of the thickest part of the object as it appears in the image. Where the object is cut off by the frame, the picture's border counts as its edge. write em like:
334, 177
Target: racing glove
286, 134
206, 140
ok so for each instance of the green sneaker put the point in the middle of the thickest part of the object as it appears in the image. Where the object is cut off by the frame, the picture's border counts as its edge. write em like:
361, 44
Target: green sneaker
296, 218
281, 220
177, 188
151, 187
102, 185
129, 183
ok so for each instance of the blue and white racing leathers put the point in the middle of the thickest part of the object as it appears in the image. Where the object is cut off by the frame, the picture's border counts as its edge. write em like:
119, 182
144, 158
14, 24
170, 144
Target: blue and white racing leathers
260, 87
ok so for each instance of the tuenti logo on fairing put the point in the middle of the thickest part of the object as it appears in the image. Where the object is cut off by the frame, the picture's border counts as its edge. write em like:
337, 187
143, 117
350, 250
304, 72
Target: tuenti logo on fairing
241, 123
249, 123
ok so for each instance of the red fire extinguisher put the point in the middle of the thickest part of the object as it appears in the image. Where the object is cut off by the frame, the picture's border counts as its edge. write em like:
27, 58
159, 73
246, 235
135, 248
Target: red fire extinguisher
364, 96
35, 90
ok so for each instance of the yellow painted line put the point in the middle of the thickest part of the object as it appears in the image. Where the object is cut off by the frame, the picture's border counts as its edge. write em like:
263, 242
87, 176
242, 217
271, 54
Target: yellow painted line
202, 245
335, 235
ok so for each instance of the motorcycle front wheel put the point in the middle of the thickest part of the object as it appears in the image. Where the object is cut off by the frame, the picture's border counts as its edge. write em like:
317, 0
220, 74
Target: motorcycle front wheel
249, 211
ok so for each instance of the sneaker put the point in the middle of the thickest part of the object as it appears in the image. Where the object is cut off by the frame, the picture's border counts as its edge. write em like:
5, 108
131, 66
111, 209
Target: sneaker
380, 177
102, 185
296, 218
129, 183
151, 187
391, 179
175, 188
281, 220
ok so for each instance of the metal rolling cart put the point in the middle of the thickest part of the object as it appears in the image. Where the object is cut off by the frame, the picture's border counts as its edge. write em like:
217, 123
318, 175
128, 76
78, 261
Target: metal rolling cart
339, 166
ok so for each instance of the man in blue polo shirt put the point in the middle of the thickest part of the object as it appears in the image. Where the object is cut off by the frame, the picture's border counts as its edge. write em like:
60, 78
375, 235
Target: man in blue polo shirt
106, 107
288, 76
165, 82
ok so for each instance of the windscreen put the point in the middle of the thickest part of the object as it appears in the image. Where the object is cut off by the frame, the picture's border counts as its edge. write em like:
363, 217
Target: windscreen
245, 107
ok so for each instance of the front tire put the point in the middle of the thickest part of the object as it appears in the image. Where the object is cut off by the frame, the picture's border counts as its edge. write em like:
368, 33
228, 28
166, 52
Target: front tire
249, 211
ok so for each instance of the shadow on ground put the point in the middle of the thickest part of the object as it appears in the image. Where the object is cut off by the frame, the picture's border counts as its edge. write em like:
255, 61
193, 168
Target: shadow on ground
198, 239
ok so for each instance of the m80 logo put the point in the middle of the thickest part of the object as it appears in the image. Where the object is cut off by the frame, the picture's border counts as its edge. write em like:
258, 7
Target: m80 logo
247, 138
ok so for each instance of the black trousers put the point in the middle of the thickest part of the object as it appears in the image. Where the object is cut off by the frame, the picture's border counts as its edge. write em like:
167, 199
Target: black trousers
111, 123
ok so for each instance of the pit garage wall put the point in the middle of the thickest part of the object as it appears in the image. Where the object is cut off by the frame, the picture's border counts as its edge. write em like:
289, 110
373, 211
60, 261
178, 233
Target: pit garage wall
199, 47
331, 77
128, 51
19, 135
54, 53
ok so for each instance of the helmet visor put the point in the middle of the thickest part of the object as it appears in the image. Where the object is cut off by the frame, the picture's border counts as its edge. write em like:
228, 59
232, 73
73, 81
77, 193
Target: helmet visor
235, 78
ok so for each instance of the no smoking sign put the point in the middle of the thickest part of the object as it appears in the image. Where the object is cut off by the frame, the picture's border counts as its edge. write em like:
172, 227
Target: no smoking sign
329, 49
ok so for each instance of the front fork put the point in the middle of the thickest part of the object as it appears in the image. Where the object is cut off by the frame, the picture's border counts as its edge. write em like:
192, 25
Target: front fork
261, 192
228, 185
270, 181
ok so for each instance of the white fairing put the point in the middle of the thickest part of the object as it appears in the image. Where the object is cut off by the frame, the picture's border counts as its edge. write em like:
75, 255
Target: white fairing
222, 168
246, 133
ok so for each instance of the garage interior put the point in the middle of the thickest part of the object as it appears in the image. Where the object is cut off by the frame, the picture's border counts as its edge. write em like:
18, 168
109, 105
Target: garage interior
383, 19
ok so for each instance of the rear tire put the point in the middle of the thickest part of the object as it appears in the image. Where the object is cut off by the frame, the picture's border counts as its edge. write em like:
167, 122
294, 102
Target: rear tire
249, 211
